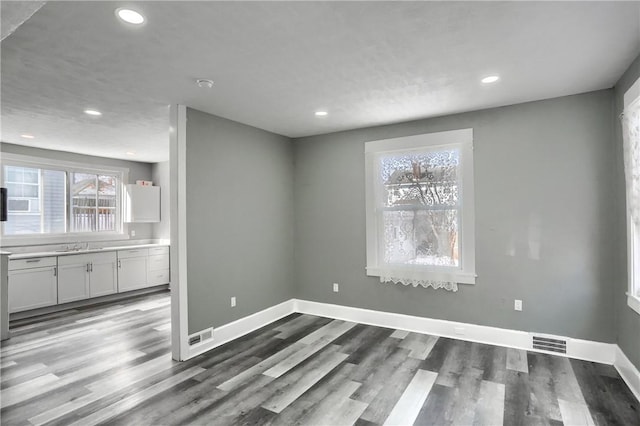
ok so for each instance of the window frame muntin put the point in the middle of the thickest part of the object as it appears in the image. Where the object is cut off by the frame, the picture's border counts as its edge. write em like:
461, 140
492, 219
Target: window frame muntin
20, 160
463, 138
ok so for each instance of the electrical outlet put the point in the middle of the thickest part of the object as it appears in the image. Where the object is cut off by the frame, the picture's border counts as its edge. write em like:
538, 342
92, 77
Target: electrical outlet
517, 305
336, 287
233, 302
133, 233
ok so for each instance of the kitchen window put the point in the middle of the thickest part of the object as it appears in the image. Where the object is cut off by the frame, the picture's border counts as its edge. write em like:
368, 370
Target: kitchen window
631, 144
50, 200
420, 209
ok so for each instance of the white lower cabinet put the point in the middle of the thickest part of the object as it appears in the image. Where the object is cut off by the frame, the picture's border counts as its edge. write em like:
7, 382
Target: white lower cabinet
158, 266
46, 281
32, 283
132, 269
82, 276
104, 275
74, 281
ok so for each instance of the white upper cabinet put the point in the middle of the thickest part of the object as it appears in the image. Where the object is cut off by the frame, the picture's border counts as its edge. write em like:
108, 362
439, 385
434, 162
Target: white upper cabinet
141, 203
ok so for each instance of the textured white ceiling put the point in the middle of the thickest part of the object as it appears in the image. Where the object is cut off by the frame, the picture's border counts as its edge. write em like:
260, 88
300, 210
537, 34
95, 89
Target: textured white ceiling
14, 13
275, 63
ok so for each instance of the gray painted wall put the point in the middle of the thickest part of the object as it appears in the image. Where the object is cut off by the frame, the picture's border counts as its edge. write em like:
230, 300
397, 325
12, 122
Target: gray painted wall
239, 219
160, 177
541, 168
137, 171
627, 320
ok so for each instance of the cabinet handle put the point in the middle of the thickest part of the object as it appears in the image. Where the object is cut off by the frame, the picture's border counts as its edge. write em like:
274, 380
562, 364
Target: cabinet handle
119, 264
33, 260
91, 267
55, 271
87, 267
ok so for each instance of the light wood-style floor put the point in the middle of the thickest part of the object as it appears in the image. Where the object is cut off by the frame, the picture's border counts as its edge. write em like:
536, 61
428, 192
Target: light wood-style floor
111, 364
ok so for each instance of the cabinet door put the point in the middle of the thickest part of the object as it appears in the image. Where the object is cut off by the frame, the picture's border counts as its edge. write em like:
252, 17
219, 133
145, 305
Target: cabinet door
103, 278
73, 282
132, 273
32, 288
142, 203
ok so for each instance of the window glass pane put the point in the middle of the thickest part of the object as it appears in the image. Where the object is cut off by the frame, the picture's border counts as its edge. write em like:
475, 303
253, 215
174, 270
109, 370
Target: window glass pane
419, 201
426, 179
27, 212
13, 174
14, 190
83, 202
30, 175
107, 202
421, 237
94, 202
54, 201
30, 191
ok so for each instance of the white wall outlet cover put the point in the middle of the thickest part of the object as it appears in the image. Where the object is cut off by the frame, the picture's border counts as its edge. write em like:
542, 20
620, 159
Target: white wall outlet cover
133, 233
336, 287
517, 305
233, 301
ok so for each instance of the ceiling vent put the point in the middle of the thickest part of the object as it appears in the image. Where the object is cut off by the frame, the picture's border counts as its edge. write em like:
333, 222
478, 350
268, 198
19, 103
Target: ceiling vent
548, 344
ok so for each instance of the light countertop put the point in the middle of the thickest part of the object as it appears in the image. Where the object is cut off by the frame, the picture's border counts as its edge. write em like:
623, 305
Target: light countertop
18, 256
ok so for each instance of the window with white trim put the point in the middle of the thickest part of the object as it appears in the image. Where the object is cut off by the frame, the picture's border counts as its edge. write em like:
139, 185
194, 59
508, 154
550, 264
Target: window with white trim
420, 209
48, 198
631, 141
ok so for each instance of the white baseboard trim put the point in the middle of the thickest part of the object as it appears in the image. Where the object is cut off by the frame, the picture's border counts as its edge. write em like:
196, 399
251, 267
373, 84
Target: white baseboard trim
576, 348
605, 353
242, 326
628, 372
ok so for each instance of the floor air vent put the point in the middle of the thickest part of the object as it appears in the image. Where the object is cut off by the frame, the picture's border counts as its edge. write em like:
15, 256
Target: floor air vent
201, 337
548, 344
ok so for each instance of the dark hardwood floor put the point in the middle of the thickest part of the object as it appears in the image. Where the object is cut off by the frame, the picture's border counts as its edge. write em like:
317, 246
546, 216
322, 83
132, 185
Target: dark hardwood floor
111, 364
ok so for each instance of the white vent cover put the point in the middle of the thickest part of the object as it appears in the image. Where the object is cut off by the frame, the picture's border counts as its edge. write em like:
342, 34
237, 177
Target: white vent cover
549, 344
201, 337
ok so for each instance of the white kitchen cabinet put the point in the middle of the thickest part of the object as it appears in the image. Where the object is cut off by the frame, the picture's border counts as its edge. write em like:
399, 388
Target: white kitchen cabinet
82, 276
32, 283
142, 204
158, 266
132, 269
74, 281
104, 276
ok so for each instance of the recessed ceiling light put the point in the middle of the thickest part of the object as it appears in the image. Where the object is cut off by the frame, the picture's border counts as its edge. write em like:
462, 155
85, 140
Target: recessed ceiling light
131, 153
204, 83
92, 112
490, 79
27, 136
130, 16
321, 113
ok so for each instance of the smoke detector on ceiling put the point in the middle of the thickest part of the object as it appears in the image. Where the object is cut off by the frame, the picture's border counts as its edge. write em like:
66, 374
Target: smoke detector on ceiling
204, 83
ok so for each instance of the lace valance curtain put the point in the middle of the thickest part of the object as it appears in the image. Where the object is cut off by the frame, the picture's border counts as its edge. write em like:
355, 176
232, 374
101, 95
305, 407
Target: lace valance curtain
419, 209
631, 139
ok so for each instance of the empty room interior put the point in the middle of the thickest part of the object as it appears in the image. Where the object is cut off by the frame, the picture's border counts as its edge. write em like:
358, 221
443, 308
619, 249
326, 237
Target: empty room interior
320, 213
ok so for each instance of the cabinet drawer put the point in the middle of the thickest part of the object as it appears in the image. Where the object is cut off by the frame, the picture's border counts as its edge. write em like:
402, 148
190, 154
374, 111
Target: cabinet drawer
158, 277
158, 250
158, 262
36, 262
123, 254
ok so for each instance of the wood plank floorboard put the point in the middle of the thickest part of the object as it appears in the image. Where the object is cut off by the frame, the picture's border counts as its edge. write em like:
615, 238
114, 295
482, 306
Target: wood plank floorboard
111, 364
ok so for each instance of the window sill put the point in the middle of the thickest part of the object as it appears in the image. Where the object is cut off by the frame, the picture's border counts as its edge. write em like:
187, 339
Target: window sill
633, 302
458, 277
